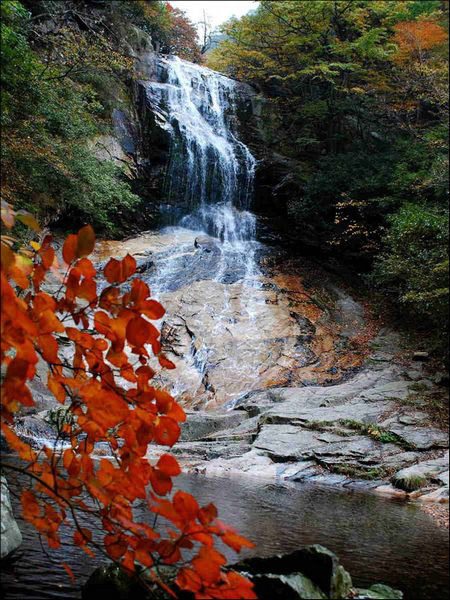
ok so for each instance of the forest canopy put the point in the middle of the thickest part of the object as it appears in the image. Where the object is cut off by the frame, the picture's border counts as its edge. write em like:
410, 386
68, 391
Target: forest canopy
360, 89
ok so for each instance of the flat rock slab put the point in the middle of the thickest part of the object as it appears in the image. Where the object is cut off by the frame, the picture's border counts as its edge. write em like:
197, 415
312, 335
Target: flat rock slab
199, 424
287, 442
355, 411
422, 438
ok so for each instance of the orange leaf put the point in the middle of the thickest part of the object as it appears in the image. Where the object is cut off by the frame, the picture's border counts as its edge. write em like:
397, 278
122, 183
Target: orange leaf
69, 571
168, 465
139, 331
153, 309
47, 255
115, 546
87, 290
85, 241
86, 268
69, 251
102, 322
235, 541
161, 483
185, 505
165, 362
119, 271
167, 431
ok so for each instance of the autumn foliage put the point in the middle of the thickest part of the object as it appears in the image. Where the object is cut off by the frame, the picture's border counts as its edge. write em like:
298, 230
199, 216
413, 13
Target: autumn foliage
413, 38
107, 388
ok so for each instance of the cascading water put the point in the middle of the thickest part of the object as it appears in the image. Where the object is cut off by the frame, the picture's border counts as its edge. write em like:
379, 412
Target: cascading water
210, 176
230, 328
210, 170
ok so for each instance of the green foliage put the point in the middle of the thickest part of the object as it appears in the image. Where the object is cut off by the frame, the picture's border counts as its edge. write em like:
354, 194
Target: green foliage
415, 261
60, 84
360, 92
374, 431
410, 483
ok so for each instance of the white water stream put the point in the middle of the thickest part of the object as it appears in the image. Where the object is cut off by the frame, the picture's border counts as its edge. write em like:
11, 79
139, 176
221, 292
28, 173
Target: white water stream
210, 174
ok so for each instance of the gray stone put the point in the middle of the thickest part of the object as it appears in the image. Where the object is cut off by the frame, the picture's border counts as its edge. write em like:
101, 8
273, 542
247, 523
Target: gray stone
286, 587
420, 474
289, 442
111, 582
439, 495
422, 438
316, 563
10, 537
379, 591
199, 424
356, 411
341, 583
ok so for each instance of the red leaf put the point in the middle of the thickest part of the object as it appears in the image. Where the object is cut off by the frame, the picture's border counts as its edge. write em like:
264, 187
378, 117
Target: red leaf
69, 251
167, 431
85, 241
168, 465
165, 362
153, 310
115, 546
139, 331
86, 268
185, 505
119, 271
69, 571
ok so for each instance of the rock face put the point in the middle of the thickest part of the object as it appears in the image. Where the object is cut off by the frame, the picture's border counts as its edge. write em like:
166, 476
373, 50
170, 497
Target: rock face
10, 537
232, 335
270, 370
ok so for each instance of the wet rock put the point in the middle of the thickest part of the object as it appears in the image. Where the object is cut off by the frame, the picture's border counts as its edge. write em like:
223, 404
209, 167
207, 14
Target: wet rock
379, 591
391, 491
422, 438
251, 464
34, 429
352, 410
419, 475
441, 379
286, 442
439, 495
145, 265
10, 537
286, 587
209, 450
316, 565
206, 244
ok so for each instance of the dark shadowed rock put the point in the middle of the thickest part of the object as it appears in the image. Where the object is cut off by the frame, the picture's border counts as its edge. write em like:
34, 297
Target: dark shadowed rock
315, 563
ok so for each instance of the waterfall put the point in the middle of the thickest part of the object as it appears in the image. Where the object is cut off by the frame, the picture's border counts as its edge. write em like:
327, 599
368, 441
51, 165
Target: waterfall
210, 170
208, 189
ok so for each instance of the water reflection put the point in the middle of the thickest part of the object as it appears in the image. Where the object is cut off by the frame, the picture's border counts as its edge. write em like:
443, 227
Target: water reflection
377, 540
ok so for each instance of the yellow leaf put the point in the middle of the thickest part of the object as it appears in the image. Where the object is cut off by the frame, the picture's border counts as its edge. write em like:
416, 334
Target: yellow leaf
28, 220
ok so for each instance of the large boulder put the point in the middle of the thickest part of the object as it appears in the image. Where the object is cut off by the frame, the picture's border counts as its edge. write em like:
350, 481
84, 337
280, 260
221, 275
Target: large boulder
311, 572
11, 538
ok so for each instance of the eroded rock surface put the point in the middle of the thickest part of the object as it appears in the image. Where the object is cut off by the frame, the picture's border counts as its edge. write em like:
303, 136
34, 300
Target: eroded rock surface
230, 331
